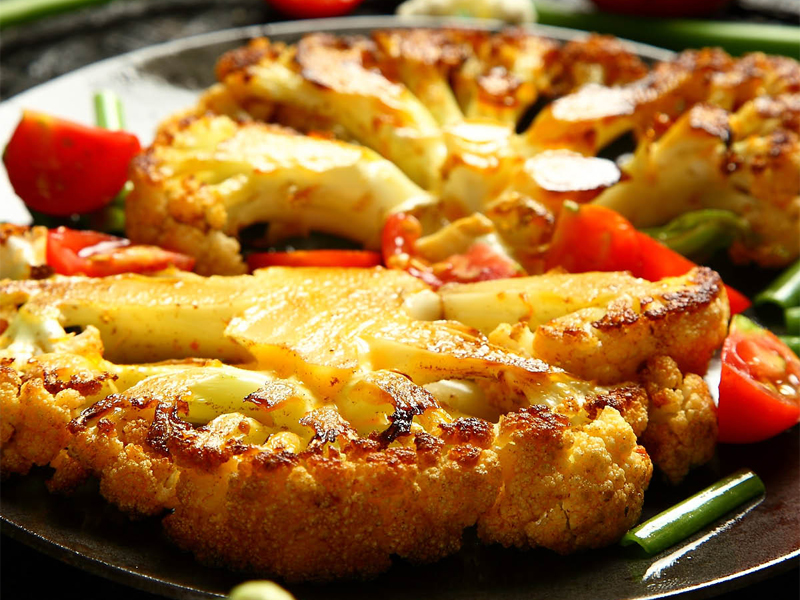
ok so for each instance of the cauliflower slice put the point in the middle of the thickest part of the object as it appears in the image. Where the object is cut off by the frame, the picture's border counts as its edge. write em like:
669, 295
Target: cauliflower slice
682, 317
424, 60
708, 160
591, 117
505, 75
327, 496
333, 77
207, 178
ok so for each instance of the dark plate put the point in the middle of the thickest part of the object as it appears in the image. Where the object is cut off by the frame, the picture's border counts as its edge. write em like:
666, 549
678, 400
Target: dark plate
750, 544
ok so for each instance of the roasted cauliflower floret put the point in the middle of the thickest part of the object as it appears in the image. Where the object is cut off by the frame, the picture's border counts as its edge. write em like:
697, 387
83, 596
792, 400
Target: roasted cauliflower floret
505, 75
682, 427
207, 178
600, 59
594, 115
41, 395
710, 159
683, 317
424, 60
565, 488
22, 252
606, 327
601, 326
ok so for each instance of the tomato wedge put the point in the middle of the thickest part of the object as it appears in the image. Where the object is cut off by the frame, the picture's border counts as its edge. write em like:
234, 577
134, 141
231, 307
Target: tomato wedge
58, 167
314, 258
311, 9
759, 388
481, 262
589, 237
95, 254
593, 238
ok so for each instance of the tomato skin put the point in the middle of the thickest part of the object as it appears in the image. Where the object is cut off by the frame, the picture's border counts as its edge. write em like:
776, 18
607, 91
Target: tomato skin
314, 258
59, 167
595, 238
481, 262
750, 411
312, 9
95, 254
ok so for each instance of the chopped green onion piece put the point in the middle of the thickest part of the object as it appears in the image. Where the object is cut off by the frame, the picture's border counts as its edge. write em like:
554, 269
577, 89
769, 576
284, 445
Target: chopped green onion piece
687, 517
793, 320
793, 341
700, 233
678, 34
784, 291
108, 114
13, 12
108, 110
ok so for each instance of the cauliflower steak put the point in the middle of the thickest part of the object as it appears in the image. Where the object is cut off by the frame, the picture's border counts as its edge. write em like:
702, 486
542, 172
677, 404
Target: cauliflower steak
346, 397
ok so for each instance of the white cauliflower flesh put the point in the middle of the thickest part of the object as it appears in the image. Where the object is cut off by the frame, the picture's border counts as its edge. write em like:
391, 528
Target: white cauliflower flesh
207, 178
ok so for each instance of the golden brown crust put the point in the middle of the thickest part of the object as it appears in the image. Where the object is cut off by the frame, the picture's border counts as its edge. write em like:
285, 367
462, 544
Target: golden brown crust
682, 429
610, 344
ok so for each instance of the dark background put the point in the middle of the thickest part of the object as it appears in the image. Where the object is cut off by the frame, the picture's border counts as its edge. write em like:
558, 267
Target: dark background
34, 53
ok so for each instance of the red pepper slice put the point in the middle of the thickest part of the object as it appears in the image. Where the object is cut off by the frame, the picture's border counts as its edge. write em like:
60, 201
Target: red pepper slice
58, 167
95, 254
589, 237
314, 258
759, 389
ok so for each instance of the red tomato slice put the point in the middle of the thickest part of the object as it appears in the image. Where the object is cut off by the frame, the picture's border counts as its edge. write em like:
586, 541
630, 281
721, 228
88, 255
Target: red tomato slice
311, 9
759, 388
95, 254
314, 258
589, 237
59, 168
593, 238
480, 262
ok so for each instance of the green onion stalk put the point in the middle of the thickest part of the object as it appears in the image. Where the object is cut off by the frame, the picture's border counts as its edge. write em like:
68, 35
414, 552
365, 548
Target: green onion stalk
678, 34
682, 520
784, 291
793, 341
14, 12
700, 233
109, 115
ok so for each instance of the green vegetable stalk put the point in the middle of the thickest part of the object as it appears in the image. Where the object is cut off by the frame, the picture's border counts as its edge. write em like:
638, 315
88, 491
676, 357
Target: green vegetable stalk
700, 233
678, 34
793, 320
784, 291
108, 114
108, 110
793, 341
687, 517
13, 12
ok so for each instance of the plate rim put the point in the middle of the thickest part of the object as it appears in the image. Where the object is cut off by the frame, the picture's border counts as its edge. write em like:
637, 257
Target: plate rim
138, 57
